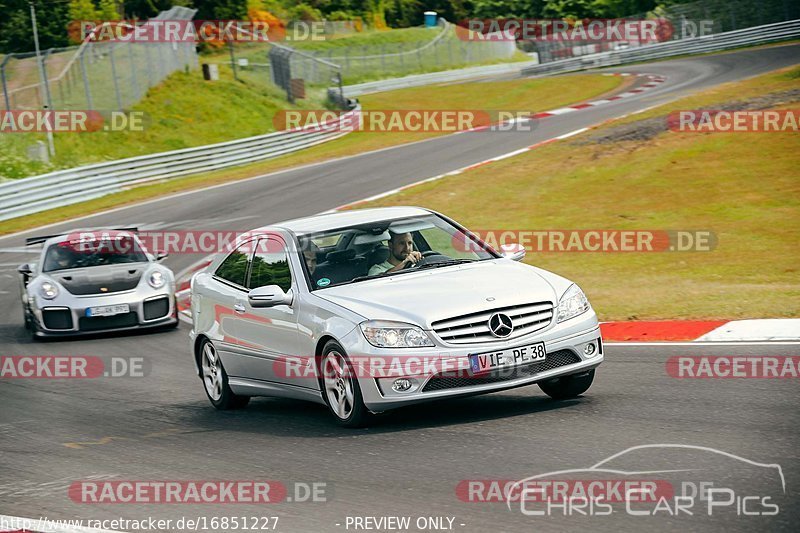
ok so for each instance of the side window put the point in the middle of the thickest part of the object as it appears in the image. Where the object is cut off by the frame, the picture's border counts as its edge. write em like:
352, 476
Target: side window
270, 266
234, 267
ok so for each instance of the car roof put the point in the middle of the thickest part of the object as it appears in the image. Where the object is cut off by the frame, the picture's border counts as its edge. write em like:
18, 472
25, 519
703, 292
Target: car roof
341, 219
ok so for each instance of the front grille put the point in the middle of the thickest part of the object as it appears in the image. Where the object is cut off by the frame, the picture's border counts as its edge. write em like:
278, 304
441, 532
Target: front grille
156, 308
57, 318
553, 360
474, 327
94, 323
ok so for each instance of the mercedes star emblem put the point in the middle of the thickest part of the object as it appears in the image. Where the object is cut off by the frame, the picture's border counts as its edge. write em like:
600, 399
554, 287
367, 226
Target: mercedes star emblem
500, 325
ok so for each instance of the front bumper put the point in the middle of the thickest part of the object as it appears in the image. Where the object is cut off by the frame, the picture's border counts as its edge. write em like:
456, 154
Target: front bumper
73, 320
565, 342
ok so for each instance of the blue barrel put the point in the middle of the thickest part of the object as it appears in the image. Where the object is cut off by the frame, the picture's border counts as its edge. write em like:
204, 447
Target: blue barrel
430, 19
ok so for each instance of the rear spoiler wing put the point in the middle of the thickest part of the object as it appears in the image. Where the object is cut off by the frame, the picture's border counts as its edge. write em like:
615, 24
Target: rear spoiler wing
39, 240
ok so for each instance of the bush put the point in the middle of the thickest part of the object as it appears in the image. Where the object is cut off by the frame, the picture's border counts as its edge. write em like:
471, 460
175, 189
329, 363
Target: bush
305, 12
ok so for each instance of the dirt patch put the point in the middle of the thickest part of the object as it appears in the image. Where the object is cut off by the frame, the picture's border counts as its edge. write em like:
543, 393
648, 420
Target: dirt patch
644, 130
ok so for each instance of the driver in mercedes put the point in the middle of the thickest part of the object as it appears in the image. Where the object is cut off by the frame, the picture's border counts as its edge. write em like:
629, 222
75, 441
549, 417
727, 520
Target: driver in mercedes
401, 254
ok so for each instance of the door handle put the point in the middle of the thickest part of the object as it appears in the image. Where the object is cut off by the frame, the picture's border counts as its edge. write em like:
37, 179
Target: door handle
239, 307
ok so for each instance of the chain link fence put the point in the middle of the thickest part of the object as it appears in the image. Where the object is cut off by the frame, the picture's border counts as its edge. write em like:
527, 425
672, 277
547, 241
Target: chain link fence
283, 73
443, 52
298, 70
102, 75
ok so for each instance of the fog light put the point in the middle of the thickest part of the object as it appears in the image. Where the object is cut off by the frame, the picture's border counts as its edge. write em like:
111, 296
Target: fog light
589, 350
401, 385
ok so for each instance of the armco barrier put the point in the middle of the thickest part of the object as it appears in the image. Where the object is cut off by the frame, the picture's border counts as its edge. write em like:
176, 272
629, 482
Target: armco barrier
768, 33
64, 187
445, 76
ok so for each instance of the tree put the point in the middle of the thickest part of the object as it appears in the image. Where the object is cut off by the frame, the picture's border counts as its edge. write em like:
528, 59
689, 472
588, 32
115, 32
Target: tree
107, 9
82, 10
16, 34
144, 9
220, 9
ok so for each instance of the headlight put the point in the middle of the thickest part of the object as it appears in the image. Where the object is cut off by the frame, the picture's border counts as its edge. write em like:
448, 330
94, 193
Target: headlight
572, 304
156, 279
48, 290
385, 334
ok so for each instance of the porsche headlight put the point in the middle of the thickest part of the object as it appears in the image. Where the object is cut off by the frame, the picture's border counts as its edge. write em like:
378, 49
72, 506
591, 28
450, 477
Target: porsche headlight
156, 279
572, 304
385, 334
48, 290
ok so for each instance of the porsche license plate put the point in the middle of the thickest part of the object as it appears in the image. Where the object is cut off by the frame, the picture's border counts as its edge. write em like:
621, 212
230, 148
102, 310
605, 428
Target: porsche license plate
511, 357
108, 310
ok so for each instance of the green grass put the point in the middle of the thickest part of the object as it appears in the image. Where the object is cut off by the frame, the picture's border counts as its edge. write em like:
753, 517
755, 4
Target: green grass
373, 38
182, 112
743, 187
533, 95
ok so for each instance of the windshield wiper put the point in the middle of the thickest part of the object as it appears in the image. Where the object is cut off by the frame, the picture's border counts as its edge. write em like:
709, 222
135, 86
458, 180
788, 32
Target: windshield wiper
381, 275
445, 262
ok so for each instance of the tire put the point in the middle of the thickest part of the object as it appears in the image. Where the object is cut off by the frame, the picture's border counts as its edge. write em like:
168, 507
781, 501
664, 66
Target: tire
31, 327
568, 386
215, 380
340, 388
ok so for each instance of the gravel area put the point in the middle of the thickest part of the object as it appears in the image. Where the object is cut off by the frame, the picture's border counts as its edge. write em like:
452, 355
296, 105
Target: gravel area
646, 129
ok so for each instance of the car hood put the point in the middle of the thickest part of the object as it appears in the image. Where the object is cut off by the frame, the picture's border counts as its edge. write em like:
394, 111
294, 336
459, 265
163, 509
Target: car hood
430, 295
104, 279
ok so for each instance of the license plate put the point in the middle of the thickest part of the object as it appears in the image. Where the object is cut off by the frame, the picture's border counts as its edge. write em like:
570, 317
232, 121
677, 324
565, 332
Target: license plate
511, 357
108, 310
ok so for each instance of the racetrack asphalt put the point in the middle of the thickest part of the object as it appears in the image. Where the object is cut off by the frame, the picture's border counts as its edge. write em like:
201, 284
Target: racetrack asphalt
161, 427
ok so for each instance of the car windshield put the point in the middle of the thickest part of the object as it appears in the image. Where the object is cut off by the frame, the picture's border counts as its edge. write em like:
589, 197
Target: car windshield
392, 247
89, 253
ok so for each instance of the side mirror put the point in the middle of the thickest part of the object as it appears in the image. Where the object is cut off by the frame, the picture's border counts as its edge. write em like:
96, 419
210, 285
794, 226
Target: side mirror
161, 256
515, 252
25, 269
269, 296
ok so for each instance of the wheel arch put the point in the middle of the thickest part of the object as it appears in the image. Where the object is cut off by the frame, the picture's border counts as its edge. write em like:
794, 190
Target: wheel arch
323, 340
198, 342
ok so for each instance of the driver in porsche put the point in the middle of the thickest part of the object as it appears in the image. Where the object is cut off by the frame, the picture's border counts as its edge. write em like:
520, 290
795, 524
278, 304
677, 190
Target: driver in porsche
401, 254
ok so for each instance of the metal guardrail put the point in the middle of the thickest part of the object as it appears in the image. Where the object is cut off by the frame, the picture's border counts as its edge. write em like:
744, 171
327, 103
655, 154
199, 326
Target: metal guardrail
767, 33
445, 76
64, 187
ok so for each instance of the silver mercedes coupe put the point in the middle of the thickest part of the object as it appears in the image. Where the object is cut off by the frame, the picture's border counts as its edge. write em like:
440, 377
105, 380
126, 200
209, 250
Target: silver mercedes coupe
370, 310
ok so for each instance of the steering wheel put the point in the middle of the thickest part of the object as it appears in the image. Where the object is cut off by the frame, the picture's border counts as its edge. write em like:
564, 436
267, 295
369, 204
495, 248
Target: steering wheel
425, 255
